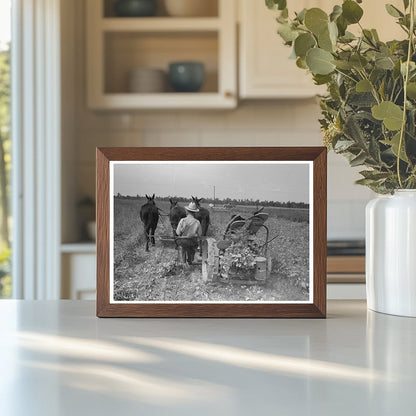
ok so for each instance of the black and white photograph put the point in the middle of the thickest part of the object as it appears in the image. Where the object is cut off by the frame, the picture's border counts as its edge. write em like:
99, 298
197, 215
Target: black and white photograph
211, 232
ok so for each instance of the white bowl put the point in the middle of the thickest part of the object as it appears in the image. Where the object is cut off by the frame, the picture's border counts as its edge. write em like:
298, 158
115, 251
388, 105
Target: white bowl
147, 80
191, 8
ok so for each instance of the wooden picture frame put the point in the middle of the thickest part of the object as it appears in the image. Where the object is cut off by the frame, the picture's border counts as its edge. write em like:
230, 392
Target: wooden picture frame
109, 159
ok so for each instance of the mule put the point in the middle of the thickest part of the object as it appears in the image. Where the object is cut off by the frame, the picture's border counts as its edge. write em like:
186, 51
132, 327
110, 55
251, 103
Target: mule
149, 214
202, 216
176, 213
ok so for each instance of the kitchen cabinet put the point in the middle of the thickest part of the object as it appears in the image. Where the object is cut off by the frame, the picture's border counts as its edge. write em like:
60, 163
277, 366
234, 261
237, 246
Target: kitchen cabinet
118, 45
265, 70
78, 263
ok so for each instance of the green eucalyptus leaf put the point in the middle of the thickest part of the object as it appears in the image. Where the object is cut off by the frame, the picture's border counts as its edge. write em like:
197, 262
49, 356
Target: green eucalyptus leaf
374, 174
411, 90
354, 132
363, 86
358, 160
281, 19
344, 65
351, 11
276, 4
301, 63
365, 182
342, 25
388, 112
412, 68
301, 15
377, 75
347, 37
325, 42
382, 89
321, 79
320, 61
303, 43
343, 145
396, 70
368, 36
336, 12
405, 21
361, 100
287, 33
394, 146
393, 11
358, 61
374, 151
333, 32
375, 35
384, 62
316, 20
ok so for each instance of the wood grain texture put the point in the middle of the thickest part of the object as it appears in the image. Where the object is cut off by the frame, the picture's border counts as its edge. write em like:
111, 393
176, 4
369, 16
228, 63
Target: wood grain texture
317, 309
346, 264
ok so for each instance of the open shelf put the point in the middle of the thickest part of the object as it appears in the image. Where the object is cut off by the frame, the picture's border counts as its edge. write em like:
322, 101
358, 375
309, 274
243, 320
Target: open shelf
210, 9
160, 24
119, 45
167, 100
127, 51
87, 247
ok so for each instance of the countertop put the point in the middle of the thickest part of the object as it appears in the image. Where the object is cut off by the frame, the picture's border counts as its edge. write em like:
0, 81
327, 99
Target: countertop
57, 358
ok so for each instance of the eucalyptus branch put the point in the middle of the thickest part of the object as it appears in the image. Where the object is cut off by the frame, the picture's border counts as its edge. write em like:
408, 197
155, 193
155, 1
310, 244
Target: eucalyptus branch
346, 75
406, 80
398, 95
373, 88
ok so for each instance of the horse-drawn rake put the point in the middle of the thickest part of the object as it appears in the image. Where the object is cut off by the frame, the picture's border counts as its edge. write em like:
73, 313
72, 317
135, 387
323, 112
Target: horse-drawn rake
239, 257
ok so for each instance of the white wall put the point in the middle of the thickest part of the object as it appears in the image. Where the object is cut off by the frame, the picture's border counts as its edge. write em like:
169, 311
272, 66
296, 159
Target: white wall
256, 123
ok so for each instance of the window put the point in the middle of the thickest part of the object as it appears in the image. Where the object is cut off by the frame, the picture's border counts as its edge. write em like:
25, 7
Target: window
5, 147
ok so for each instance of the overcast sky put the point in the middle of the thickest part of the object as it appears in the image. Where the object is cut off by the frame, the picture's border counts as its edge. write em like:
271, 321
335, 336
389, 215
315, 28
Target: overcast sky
274, 182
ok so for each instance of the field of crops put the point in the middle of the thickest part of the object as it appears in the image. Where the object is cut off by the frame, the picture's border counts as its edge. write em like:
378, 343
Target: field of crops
159, 276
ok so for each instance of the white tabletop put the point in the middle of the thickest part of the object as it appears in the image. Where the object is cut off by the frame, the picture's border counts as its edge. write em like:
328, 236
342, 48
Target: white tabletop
57, 358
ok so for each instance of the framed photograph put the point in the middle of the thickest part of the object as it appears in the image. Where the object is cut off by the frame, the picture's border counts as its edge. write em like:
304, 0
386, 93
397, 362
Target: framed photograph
211, 232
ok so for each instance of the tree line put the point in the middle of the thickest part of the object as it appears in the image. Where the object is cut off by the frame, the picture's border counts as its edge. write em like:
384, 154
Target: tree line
226, 201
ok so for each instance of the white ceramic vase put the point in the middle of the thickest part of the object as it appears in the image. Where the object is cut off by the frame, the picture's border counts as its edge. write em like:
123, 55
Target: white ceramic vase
391, 253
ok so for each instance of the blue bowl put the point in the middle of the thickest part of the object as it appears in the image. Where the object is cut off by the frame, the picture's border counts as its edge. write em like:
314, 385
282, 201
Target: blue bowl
186, 76
135, 8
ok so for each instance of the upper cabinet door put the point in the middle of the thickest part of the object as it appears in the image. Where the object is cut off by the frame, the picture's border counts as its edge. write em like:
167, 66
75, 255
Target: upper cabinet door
266, 71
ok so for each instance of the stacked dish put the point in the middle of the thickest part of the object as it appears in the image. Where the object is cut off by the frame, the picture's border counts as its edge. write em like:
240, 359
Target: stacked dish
147, 80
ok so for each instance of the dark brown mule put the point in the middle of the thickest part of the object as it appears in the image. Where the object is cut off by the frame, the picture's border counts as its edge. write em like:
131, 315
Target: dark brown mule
176, 213
149, 214
202, 216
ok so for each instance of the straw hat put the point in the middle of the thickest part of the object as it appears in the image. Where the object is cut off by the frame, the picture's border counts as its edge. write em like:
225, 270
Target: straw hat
192, 207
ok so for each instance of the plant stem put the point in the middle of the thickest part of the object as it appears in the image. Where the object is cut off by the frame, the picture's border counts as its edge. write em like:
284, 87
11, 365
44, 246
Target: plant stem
346, 75
405, 81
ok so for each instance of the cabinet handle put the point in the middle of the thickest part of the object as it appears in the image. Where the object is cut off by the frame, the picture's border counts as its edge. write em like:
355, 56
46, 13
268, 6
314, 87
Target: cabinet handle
229, 94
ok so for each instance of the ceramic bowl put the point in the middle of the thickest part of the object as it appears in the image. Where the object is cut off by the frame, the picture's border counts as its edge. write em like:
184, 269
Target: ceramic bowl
186, 76
191, 8
147, 80
135, 8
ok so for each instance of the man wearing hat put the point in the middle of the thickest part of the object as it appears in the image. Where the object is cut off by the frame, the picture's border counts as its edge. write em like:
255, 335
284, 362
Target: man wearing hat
190, 227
